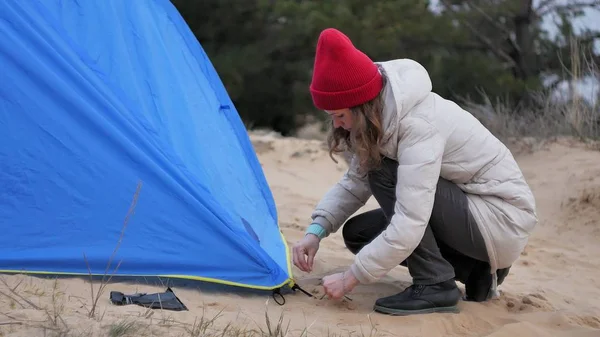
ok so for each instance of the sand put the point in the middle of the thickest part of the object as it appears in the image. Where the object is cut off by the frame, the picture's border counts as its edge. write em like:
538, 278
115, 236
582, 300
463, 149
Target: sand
552, 290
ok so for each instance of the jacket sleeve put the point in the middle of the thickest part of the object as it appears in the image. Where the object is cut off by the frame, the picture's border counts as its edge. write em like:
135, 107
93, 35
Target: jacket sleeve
342, 200
419, 163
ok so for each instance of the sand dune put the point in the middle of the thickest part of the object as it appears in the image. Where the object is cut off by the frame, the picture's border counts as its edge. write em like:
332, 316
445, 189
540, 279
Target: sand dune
553, 290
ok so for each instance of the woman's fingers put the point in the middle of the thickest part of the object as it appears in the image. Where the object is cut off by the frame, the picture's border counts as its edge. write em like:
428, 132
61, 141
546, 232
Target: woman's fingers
295, 257
302, 257
304, 253
311, 258
299, 259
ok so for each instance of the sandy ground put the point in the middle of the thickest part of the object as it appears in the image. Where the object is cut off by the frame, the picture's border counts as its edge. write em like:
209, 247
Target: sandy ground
553, 290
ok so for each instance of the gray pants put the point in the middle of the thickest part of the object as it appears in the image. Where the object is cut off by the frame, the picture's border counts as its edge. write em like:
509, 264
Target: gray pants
452, 245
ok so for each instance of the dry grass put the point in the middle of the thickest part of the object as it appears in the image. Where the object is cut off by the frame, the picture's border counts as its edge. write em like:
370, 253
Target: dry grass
57, 323
106, 278
554, 116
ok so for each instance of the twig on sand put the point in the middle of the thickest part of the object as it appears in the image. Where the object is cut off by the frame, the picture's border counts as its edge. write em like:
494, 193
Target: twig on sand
11, 323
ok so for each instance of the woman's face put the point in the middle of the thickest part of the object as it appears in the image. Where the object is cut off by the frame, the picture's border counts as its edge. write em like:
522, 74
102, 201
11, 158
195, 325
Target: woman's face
341, 118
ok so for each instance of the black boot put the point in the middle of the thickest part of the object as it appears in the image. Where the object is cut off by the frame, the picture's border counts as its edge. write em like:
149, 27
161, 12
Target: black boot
502, 273
479, 284
421, 299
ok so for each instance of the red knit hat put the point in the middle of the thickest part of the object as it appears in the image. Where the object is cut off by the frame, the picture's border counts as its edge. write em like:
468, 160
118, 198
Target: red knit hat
343, 76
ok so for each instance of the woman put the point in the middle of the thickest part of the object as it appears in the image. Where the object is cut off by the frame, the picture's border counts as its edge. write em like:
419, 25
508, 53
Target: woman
454, 204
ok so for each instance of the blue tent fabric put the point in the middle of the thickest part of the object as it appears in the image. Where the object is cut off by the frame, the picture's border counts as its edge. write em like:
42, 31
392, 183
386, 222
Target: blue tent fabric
96, 96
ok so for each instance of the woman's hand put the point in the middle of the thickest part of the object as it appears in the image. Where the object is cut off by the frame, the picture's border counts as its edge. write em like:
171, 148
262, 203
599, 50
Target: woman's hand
304, 252
338, 285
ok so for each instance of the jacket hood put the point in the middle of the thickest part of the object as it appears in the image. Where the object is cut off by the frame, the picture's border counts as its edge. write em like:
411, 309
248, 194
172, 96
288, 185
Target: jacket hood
408, 85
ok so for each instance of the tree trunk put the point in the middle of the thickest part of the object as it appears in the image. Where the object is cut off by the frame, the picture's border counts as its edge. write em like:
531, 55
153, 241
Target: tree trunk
524, 43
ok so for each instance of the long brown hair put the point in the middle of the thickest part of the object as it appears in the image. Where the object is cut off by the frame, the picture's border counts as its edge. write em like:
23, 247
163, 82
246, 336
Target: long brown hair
364, 139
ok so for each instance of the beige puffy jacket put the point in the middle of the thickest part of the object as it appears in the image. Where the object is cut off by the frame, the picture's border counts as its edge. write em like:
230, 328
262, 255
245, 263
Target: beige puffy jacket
432, 137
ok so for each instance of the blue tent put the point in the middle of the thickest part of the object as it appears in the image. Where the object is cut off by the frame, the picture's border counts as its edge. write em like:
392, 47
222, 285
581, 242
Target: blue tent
116, 132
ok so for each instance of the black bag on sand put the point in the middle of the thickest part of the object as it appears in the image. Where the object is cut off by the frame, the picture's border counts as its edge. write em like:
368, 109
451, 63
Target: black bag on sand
166, 300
